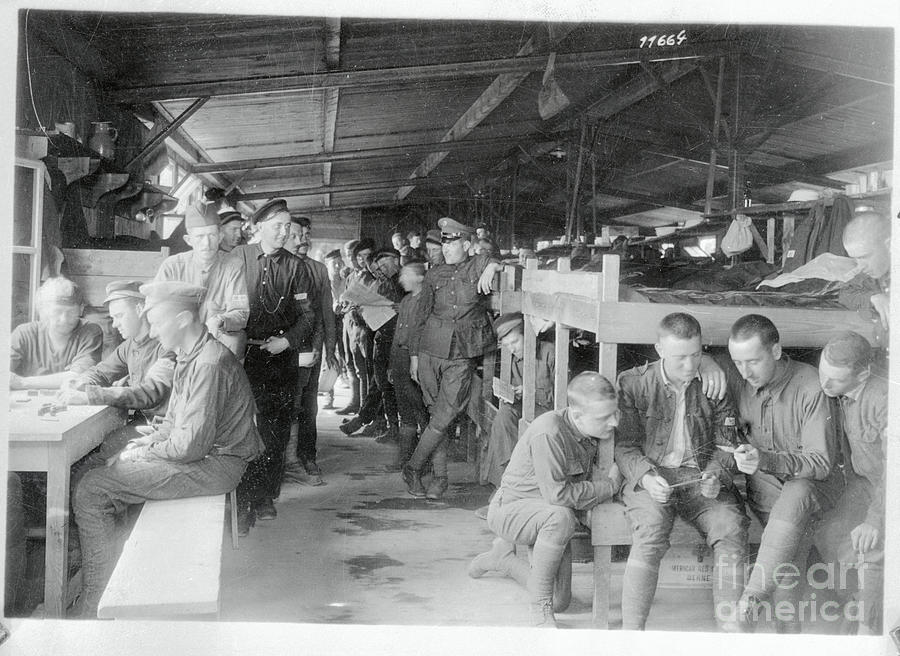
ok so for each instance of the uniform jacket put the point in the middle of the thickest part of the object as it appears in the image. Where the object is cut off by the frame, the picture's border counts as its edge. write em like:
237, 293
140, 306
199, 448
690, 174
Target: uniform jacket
31, 352
452, 319
647, 407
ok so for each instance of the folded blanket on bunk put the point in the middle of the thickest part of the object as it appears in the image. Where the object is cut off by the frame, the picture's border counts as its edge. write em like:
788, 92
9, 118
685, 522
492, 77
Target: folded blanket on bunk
826, 266
825, 300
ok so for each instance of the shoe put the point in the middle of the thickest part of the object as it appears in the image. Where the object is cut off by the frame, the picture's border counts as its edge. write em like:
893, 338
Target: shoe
329, 405
245, 519
352, 426
542, 614
390, 436
748, 611
437, 487
348, 410
374, 429
481, 513
314, 473
413, 480
265, 510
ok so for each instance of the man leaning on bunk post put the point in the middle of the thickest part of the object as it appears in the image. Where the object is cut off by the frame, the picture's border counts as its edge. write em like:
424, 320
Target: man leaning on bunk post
202, 447
451, 330
788, 461
851, 535
666, 451
550, 478
137, 375
284, 314
867, 240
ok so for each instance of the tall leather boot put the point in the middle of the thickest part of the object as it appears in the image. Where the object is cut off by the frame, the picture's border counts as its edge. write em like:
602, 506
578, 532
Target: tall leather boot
353, 406
638, 590
728, 583
350, 427
500, 559
545, 561
406, 435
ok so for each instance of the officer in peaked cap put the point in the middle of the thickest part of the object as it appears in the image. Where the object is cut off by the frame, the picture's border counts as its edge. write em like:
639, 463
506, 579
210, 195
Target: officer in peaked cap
450, 330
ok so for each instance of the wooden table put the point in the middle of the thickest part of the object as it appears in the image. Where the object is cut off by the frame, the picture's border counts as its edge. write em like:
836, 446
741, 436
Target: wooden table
51, 444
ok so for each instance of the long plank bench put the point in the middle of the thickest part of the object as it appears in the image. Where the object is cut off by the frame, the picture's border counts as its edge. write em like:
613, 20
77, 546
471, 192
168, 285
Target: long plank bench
171, 562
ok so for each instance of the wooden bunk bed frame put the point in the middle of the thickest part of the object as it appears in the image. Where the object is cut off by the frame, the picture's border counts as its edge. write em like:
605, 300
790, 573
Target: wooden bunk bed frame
589, 301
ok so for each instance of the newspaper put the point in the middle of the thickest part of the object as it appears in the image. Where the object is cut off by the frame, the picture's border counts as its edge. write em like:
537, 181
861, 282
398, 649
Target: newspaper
376, 310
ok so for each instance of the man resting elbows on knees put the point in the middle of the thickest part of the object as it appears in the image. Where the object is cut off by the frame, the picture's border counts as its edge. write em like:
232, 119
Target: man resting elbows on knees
666, 450
548, 479
201, 448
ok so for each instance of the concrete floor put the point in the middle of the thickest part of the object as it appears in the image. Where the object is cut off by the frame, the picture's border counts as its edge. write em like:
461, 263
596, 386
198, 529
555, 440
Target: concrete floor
361, 550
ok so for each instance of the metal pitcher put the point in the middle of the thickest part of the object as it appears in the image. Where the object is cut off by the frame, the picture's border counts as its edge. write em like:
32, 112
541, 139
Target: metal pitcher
103, 141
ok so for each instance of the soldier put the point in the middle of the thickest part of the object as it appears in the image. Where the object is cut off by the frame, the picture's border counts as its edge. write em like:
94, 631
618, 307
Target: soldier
788, 460
225, 308
867, 240
666, 451
284, 313
335, 266
451, 330
231, 230
306, 403
59, 346
433, 250
202, 447
551, 476
852, 533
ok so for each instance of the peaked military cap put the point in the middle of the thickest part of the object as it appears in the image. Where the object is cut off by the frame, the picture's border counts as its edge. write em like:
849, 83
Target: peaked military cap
452, 227
118, 289
172, 291
230, 215
506, 323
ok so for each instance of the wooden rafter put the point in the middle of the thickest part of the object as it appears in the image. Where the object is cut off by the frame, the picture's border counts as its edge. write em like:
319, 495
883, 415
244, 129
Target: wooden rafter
160, 138
331, 95
362, 186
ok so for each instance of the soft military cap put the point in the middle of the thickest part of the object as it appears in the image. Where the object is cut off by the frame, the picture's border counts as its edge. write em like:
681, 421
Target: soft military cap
200, 218
385, 252
119, 289
230, 215
433, 236
452, 227
508, 322
269, 210
333, 254
172, 291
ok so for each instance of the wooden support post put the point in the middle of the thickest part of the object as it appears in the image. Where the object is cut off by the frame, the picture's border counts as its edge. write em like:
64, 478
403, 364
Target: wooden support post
711, 175
787, 236
607, 352
770, 239
561, 377
528, 364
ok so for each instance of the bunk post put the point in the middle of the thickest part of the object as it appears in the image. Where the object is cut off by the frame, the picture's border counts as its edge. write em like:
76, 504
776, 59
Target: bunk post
528, 361
561, 376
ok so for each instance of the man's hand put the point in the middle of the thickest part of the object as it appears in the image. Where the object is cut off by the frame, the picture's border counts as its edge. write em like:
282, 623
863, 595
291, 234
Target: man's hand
746, 458
517, 390
657, 487
132, 451
414, 368
275, 345
864, 538
68, 395
16, 382
882, 305
713, 378
615, 476
331, 360
710, 485
215, 325
487, 277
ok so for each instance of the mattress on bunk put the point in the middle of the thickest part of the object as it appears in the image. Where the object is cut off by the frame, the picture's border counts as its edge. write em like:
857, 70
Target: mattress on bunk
824, 300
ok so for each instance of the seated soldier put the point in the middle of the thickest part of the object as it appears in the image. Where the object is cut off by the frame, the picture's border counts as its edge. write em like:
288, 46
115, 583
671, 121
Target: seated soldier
548, 479
666, 451
137, 375
505, 427
59, 346
202, 447
867, 240
788, 463
852, 533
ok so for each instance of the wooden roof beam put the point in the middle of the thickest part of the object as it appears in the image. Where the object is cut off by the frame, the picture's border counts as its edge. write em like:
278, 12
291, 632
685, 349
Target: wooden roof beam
402, 75
337, 189
331, 96
54, 33
878, 72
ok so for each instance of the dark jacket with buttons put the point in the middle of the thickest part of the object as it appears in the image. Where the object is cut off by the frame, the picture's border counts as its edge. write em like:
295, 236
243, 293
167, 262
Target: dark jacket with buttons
451, 319
647, 409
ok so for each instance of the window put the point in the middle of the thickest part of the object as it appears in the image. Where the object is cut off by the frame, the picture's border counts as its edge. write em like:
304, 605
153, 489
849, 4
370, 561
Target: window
28, 211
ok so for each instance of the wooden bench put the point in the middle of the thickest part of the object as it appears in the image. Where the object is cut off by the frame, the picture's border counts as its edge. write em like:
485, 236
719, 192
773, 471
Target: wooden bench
171, 562
610, 527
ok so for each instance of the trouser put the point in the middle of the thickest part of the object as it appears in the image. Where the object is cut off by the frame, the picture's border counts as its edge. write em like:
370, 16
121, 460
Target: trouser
104, 492
306, 407
789, 511
535, 523
832, 540
445, 388
410, 404
722, 522
273, 379
340, 350
114, 442
500, 443
381, 399
359, 345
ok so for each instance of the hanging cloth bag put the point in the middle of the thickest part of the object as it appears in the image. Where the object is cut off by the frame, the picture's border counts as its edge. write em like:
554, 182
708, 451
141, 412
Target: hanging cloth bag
738, 237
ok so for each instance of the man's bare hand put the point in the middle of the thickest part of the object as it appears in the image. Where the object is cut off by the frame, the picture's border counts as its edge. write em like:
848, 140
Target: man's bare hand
276, 345
710, 485
657, 487
414, 368
864, 538
746, 458
487, 277
712, 378
882, 305
615, 476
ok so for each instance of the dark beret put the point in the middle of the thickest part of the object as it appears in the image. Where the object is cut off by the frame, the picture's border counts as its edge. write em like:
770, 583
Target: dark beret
230, 215
269, 210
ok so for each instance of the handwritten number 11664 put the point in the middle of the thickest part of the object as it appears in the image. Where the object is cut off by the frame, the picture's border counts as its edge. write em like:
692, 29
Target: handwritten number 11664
663, 40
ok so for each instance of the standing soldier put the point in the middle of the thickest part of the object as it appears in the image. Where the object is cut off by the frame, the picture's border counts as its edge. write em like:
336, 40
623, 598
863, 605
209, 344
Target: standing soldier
225, 308
284, 311
231, 230
450, 331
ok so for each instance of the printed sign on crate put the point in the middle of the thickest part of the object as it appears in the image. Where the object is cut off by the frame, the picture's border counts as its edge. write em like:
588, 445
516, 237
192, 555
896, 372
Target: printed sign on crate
687, 567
